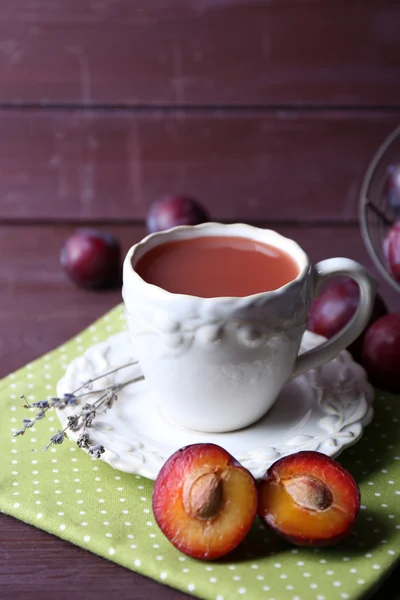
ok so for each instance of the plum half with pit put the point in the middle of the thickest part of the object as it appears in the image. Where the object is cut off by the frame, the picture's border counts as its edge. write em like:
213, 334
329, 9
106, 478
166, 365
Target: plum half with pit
309, 499
92, 259
335, 306
204, 501
174, 210
381, 353
391, 247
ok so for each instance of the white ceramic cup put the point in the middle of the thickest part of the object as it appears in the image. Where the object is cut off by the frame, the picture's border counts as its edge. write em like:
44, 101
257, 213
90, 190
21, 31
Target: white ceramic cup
219, 364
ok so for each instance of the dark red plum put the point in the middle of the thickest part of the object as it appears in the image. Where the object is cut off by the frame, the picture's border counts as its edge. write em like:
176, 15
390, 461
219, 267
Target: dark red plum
335, 306
381, 353
393, 188
392, 250
204, 501
92, 259
172, 211
309, 499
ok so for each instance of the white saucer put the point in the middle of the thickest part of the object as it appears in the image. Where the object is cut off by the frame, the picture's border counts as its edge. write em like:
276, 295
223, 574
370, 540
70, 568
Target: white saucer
325, 409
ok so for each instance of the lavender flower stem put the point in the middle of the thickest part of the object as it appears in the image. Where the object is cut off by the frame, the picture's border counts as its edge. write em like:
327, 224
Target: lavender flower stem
85, 417
89, 381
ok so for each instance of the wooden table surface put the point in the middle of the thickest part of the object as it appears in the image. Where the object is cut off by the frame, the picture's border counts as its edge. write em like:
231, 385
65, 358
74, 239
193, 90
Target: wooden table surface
268, 111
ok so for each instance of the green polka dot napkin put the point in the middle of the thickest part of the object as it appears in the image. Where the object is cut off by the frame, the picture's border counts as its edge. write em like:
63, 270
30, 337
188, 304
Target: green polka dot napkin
85, 501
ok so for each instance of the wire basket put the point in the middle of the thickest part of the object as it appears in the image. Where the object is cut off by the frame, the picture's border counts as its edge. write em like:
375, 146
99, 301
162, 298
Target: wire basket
376, 214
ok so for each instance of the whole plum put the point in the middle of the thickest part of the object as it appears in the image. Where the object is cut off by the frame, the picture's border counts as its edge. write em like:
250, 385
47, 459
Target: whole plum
175, 210
392, 188
92, 259
335, 306
381, 353
391, 246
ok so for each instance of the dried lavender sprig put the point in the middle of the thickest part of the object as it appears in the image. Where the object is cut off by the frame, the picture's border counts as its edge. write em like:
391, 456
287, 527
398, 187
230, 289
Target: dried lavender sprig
28, 423
97, 450
86, 416
84, 440
60, 403
57, 438
68, 399
73, 396
90, 381
116, 387
43, 405
75, 422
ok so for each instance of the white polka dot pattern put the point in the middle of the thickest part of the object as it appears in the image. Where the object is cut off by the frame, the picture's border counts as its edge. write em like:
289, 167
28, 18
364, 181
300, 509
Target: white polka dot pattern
69, 494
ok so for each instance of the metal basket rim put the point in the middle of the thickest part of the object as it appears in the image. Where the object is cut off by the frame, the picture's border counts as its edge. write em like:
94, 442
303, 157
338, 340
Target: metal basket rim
363, 199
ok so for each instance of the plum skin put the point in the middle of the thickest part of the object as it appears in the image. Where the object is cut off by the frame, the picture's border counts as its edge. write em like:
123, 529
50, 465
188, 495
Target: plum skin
91, 259
174, 210
381, 353
335, 306
391, 249
392, 188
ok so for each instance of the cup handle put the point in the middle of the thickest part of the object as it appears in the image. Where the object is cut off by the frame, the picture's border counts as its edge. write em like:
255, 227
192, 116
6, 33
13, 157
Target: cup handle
331, 348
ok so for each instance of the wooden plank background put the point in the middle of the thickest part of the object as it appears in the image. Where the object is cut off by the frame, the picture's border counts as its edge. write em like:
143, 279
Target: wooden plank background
200, 52
243, 165
267, 109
